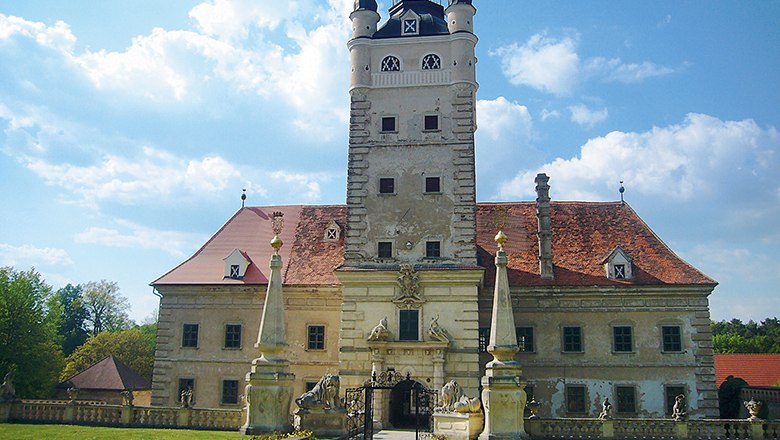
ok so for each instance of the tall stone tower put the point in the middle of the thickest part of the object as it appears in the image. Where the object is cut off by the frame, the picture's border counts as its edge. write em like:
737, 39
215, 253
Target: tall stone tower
410, 277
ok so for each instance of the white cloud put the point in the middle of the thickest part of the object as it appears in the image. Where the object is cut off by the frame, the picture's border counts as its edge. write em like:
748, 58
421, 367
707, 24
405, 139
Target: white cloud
616, 70
231, 19
58, 36
678, 162
582, 115
309, 187
34, 256
547, 114
500, 118
544, 63
174, 243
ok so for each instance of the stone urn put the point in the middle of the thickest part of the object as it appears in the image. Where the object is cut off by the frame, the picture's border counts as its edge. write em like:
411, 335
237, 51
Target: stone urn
533, 406
753, 407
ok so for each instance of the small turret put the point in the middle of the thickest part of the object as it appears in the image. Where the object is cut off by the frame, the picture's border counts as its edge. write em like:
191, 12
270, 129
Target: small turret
364, 18
460, 16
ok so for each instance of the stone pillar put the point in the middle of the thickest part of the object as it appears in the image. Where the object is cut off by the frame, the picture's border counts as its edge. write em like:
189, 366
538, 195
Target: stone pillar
438, 370
544, 231
270, 387
503, 387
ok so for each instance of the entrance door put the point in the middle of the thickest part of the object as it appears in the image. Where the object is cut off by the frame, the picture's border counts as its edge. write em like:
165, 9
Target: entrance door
405, 406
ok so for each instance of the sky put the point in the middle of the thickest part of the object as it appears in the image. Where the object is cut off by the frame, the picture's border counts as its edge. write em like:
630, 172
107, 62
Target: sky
129, 129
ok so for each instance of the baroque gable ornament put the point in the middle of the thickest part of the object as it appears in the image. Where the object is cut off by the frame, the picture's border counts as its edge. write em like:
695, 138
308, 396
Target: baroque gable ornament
408, 296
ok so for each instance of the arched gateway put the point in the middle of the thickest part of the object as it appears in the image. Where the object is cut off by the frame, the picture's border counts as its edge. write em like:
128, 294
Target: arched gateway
409, 403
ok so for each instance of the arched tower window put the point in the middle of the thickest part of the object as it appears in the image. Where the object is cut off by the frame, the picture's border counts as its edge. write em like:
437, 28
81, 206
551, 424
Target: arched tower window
391, 64
431, 62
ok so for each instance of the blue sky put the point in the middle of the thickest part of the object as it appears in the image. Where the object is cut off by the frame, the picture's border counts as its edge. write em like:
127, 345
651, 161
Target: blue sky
128, 129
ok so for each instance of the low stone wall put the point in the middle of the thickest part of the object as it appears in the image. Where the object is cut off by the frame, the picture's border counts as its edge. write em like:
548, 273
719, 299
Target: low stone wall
121, 415
649, 429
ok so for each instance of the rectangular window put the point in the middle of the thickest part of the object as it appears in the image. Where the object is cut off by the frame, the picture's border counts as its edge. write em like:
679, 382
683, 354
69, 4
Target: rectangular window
316, 337
432, 184
623, 339
189, 336
432, 249
230, 392
186, 384
525, 339
385, 249
672, 338
408, 329
484, 338
232, 335
431, 122
576, 399
310, 386
626, 399
234, 271
671, 392
572, 339
386, 185
620, 271
388, 124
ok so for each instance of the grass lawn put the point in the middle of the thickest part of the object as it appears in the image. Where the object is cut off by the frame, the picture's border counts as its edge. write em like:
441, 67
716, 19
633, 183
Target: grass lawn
72, 432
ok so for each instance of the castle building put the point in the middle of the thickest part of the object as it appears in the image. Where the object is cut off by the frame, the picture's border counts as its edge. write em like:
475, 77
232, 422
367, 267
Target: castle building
400, 277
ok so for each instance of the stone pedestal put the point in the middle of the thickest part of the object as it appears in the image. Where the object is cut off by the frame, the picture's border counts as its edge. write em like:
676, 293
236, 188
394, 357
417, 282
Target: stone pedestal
269, 394
456, 425
322, 423
504, 399
5, 411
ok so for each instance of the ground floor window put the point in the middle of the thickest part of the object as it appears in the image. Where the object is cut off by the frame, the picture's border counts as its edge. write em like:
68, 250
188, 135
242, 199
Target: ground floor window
230, 392
576, 399
626, 399
186, 385
671, 392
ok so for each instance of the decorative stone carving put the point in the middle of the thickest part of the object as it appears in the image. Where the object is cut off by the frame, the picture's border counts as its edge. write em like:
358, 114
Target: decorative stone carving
380, 332
606, 409
533, 406
678, 410
73, 393
186, 398
409, 288
437, 332
453, 399
127, 397
324, 395
753, 407
7, 389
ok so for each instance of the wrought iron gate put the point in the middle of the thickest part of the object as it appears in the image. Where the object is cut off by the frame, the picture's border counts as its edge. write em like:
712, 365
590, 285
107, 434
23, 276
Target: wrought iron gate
360, 405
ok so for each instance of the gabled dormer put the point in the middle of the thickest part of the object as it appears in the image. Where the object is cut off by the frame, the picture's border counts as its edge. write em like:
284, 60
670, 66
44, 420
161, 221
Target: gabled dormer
618, 265
332, 232
236, 264
410, 24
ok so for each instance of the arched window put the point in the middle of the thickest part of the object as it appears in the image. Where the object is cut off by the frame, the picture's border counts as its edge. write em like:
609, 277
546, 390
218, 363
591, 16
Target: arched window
431, 62
391, 64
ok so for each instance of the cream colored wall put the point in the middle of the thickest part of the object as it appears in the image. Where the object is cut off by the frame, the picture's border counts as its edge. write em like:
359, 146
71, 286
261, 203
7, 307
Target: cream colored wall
210, 363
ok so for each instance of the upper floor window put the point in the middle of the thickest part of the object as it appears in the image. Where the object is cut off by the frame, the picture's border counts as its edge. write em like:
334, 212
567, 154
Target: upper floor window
408, 325
484, 338
189, 335
232, 335
431, 123
390, 64
525, 339
386, 185
431, 62
433, 184
389, 124
623, 339
316, 337
672, 338
385, 249
572, 339
432, 249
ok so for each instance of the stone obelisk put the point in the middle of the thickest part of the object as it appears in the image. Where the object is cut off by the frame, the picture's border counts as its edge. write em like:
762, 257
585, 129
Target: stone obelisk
270, 390
503, 387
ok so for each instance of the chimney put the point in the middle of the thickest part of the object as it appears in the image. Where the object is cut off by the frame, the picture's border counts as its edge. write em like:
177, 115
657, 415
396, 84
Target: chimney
545, 227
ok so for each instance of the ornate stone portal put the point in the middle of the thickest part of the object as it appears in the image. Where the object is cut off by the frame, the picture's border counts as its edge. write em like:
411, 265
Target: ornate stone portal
269, 392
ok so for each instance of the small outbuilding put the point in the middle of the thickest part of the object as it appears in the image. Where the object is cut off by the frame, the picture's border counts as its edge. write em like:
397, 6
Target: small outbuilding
105, 381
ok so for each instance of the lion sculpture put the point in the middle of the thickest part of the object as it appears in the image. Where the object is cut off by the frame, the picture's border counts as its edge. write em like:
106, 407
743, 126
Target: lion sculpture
324, 395
453, 399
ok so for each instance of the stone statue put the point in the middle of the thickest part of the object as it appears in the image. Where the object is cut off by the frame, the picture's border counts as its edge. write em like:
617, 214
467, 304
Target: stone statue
678, 410
186, 397
533, 407
324, 395
453, 399
7, 389
606, 409
753, 407
73, 393
437, 332
127, 397
380, 332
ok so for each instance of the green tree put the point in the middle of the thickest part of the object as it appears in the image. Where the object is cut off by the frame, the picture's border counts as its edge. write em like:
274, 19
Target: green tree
135, 347
737, 337
28, 333
106, 308
68, 304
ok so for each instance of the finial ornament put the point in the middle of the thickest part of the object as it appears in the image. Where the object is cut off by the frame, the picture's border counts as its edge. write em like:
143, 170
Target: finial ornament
501, 240
622, 190
277, 225
243, 197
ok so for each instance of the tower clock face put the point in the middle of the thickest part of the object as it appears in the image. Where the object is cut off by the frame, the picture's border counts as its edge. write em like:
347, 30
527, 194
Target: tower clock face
410, 26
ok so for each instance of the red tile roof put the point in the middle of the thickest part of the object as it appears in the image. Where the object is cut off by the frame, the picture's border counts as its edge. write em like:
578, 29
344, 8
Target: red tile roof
583, 234
108, 374
758, 370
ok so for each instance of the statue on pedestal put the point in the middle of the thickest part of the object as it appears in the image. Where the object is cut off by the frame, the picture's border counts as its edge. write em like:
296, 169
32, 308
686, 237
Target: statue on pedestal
324, 395
678, 411
606, 409
453, 399
380, 332
7, 389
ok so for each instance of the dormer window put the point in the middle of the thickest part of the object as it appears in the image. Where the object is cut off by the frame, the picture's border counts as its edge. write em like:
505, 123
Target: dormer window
431, 62
236, 264
390, 64
618, 265
332, 231
410, 24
